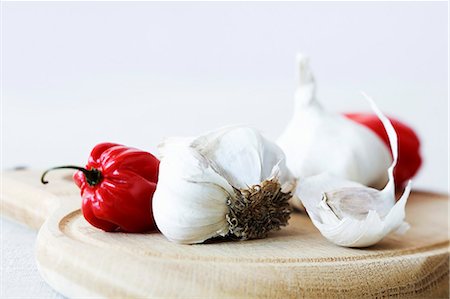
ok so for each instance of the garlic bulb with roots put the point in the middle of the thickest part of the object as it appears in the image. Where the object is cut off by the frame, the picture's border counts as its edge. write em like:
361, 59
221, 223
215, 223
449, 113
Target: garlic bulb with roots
317, 140
231, 182
350, 214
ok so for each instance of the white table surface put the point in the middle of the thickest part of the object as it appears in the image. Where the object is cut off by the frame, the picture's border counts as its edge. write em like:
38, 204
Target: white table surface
20, 277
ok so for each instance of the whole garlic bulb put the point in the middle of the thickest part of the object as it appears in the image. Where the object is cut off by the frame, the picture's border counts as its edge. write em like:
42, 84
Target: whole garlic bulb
350, 214
317, 140
230, 182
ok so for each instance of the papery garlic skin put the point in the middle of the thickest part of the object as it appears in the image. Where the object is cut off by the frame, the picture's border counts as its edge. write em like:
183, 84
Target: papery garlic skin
200, 179
350, 214
317, 140
357, 231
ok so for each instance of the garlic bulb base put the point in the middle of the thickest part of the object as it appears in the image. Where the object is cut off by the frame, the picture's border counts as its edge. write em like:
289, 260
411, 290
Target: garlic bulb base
256, 211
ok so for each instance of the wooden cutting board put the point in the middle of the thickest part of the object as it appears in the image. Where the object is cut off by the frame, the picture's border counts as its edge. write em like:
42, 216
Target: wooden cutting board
79, 260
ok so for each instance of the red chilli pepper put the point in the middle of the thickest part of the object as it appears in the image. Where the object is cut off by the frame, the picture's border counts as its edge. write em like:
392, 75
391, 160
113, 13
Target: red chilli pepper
409, 158
117, 187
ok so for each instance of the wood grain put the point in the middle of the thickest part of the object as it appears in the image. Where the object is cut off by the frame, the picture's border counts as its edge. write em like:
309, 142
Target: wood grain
79, 260
25, 200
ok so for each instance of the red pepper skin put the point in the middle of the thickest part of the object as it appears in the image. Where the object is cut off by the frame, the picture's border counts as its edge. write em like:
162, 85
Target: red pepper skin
409, 158
121, 199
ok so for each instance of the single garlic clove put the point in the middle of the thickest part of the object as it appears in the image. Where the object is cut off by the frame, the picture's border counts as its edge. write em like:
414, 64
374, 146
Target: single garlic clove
356, 202
353, 232
350, 214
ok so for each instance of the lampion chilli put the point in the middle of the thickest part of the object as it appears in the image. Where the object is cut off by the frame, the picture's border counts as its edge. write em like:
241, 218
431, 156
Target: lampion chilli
117, 187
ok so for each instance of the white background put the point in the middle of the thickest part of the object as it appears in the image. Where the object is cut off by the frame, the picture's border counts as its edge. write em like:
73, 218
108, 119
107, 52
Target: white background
76, 74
